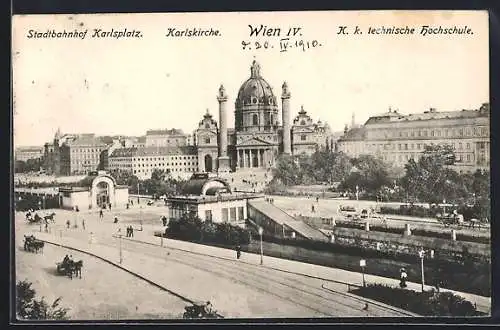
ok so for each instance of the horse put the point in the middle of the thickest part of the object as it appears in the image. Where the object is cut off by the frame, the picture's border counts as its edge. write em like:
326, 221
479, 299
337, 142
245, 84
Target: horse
31, 244
28, 242
77, 268
38, 246
50, 217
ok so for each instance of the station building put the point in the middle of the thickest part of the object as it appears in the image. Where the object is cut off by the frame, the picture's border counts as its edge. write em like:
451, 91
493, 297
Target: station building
100, 191
211, 199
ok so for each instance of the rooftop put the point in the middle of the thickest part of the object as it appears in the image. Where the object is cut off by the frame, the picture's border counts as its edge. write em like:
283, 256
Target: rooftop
170, 132
153, 151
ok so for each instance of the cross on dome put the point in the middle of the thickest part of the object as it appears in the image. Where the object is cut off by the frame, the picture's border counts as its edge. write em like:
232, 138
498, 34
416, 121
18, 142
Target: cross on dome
255, 70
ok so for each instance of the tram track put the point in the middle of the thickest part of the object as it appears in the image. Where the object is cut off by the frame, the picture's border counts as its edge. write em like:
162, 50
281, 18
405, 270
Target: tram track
315, 298
288, 286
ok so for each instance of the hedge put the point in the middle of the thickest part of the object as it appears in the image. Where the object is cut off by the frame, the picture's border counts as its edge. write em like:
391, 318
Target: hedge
193, 230
423, 303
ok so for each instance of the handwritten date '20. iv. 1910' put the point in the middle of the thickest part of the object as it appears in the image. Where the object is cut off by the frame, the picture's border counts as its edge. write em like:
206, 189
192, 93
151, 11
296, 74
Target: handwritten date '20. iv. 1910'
284, 44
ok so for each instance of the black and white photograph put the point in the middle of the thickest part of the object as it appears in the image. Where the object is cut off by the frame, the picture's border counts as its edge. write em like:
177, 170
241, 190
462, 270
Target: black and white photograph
251, 165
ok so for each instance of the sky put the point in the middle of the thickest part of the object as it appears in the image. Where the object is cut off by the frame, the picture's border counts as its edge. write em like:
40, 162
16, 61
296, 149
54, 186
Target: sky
127, 86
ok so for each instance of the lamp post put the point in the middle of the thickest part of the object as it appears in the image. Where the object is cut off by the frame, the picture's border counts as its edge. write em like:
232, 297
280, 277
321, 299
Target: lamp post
261, 231
121, 254
421, 255
362, 264
140, 216
357, 192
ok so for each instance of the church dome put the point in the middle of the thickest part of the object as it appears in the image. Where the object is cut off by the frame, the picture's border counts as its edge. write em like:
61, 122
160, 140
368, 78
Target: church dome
255, 90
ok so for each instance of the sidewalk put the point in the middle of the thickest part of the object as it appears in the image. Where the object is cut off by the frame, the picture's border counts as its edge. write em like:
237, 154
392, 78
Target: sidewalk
329, 274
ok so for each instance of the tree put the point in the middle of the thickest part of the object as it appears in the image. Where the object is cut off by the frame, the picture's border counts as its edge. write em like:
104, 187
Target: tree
370, 175
29, 308
287, 171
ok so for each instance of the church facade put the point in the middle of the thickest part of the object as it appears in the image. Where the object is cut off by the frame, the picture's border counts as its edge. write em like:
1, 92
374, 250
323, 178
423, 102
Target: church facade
258, 137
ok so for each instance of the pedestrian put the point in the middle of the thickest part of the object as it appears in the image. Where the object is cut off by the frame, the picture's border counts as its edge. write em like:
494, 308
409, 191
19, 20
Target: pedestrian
100, 213
128, 232
67, 224
403, 277
83, 224
116, 220
317, 199
238, 251
132, 202
109, 206
131, 231
312, 208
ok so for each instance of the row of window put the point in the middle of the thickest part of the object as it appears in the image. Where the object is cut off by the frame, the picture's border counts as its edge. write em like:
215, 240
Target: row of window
458, 157
231, 214
84, 150
150, 170
443, 132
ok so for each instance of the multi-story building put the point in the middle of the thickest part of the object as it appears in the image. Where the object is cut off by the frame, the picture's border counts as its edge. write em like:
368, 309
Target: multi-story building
143, 161
81, 154
26, 153
166, 138
396, 138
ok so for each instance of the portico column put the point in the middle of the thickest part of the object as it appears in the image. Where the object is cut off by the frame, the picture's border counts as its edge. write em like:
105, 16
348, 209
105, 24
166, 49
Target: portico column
238, 164
258, 157
244, 158
251, 157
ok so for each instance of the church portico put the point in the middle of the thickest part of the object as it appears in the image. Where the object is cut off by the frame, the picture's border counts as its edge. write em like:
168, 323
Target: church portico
255, 157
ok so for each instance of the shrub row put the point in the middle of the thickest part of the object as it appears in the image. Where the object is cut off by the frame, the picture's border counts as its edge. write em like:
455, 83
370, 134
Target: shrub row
192, 229
422, 303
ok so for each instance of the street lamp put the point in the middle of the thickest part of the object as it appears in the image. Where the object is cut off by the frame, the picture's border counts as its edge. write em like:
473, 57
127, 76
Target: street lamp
357, 192
140, 216
421, 255
261, 231
362, 264
121, 254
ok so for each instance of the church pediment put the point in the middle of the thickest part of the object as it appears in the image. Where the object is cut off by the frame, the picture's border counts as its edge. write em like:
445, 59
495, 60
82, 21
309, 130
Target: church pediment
253, 141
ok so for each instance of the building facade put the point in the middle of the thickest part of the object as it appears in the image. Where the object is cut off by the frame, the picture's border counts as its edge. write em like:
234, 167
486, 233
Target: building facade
211, 200
258, 136
143, 161
73, 154
166, 138
102, 192
396, 138
27, 153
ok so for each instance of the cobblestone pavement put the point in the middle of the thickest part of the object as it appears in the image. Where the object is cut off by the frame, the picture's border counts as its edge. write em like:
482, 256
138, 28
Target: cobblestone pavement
235, 288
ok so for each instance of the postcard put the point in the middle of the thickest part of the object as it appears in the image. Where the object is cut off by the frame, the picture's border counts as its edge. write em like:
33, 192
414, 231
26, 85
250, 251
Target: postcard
256, 165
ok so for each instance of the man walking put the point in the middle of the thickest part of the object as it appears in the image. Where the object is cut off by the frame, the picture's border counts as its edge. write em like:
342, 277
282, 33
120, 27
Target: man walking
403, 277
101, 213
238, 251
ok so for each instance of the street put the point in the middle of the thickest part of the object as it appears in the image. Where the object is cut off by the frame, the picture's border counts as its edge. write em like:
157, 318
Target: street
235, 289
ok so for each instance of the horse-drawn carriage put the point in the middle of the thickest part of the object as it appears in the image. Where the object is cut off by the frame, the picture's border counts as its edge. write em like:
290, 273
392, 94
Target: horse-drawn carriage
34, 217
70, 268
450, 218
31, 244
201, 310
